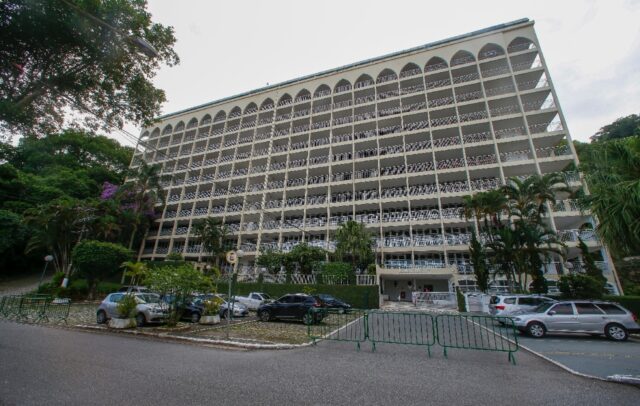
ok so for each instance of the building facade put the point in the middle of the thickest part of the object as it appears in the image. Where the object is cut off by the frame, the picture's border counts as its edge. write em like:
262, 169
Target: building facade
394, 142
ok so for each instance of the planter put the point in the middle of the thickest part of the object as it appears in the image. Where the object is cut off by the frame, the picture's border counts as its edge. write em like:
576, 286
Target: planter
122, 323
210, 319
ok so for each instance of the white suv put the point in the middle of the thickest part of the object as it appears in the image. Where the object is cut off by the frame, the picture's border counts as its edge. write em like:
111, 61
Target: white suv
508, 305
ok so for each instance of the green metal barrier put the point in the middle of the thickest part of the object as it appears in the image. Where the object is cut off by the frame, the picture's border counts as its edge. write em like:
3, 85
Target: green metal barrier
401, 328
336, 326
58, 309
473, 332
34, 308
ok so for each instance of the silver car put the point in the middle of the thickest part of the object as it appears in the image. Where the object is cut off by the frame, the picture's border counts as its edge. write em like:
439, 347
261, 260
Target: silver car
579, 316
508, 305
149, 308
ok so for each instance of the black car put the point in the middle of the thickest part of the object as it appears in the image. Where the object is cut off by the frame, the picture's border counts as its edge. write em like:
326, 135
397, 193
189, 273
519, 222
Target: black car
330, 302
190, 309
293, 307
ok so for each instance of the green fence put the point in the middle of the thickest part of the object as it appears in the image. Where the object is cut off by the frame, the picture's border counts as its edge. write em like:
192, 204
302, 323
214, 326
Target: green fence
460, 331
34, 308
471, 332
400, 328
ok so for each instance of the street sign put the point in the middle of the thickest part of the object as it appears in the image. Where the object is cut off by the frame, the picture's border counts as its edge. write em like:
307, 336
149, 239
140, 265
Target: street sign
232, 257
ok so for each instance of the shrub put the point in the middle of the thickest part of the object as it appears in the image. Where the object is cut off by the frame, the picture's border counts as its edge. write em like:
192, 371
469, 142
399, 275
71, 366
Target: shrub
79, 288
631, 303
126, 307
96, 260
462, 304
337, 269
212, 306
579, 286
104, 288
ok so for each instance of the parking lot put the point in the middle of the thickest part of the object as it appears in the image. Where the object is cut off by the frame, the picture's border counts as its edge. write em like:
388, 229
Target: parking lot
589, 355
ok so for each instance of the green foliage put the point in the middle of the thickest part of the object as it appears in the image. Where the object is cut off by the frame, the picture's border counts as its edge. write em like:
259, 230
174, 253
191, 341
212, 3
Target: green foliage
579, 286
612, 172
137, 271
621, 128
174, 256
79, 288
361, 297
62, 57
104, 288
211, 307
371, 269
272, 261
308, 289
354, 244
629, 274
337, 269
14, 235
126, 307
212, 236
97, 260
631, 303
304, 258
462, 305
478, 258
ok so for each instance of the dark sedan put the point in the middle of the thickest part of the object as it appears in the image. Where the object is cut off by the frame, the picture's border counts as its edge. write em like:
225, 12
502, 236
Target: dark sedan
293, 307
330, 302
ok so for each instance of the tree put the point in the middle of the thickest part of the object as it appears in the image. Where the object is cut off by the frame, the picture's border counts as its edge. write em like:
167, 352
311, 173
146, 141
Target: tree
82, 56
96, 261
589, 263
578, 286
14, 235
140, 195
478, 258
304, 258
621, 128
212, 233
179, 281
272, 261
353, 244
137, 271
57, 227
612, 172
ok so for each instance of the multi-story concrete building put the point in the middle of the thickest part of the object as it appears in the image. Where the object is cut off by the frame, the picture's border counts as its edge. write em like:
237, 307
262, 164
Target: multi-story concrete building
394, 142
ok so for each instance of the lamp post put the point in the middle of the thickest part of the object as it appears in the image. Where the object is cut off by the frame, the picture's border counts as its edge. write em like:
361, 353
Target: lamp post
232, 258
47, 259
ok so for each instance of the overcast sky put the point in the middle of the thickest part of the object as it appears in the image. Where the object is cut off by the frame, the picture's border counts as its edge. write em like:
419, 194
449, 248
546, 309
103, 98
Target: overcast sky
592, 48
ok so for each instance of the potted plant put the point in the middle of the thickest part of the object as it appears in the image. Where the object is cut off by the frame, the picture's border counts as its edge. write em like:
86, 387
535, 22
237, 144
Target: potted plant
211, 311
126, 310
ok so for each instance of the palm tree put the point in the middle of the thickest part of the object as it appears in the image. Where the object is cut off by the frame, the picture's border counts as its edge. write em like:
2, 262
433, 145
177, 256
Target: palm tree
612, 172
212, 235
353, 244
141, 194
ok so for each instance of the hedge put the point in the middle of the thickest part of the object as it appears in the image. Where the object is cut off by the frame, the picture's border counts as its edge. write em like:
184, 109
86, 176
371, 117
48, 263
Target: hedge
631, 303
361, 297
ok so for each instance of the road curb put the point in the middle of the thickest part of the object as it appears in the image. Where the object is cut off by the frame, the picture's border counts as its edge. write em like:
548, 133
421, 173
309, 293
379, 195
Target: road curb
194, 340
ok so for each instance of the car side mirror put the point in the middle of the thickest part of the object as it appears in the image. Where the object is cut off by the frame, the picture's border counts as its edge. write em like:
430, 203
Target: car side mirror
551, 312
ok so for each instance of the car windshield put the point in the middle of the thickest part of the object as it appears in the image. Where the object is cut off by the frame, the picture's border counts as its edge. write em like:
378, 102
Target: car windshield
543, 307
265, 296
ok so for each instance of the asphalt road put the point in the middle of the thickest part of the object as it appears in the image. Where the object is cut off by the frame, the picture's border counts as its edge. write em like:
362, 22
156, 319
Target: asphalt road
595, 356
40, 365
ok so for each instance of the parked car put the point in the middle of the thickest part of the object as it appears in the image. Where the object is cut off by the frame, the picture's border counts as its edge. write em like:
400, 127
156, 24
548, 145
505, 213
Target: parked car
239, 310
330, 302
134, 289
190, 309
293, 307
254, 300
508, 305
579, 316
148, 310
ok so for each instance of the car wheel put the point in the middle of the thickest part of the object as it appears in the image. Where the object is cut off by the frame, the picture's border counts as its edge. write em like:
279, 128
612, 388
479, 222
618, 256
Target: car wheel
536, 330
140, 320
616, 332
101, 317
265, 316
195, 317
